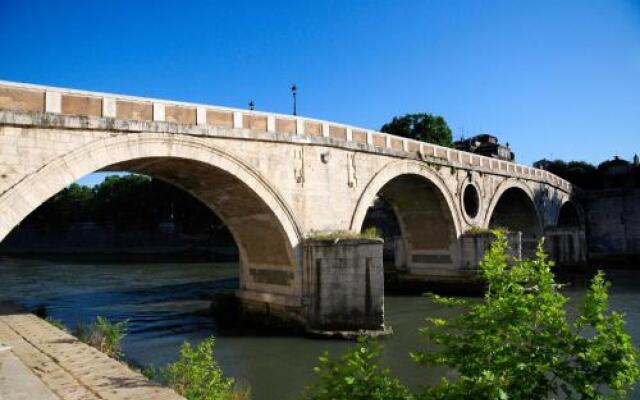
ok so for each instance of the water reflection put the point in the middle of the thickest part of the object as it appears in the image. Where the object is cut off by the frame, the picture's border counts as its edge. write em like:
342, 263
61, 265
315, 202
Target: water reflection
167, 303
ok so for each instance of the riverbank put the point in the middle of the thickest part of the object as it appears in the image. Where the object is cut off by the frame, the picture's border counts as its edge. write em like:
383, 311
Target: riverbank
88, 238
59, 366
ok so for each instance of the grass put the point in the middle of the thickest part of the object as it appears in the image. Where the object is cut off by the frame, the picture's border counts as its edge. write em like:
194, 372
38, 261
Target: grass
196, 374
476, 230
104, 335
57, 323
369, 233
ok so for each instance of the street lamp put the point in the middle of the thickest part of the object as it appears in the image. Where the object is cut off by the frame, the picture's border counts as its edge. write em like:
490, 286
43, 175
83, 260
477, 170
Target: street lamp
252, 105
294, 92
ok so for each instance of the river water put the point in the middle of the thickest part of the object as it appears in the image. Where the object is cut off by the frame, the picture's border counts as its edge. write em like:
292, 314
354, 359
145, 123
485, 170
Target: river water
167, 303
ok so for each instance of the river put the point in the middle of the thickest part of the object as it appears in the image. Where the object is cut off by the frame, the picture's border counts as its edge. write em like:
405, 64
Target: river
166, 303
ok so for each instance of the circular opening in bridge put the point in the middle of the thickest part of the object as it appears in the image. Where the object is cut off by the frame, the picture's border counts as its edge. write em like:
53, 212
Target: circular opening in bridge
471, 201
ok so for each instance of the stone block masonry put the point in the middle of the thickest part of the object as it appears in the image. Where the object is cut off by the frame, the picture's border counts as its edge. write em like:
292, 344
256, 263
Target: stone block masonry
70, 369
345, 284
613, 218
273, 180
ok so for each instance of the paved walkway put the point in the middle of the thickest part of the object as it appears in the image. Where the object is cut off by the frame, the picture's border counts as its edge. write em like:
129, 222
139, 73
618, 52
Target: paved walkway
44, 363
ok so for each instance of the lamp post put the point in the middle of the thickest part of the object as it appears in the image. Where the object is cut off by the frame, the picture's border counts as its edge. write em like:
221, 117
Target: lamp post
252, 105
294, 92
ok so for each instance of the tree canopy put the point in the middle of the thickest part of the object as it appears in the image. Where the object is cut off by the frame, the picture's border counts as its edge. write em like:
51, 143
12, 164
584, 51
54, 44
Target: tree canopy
420, 126
589, 177
129, 201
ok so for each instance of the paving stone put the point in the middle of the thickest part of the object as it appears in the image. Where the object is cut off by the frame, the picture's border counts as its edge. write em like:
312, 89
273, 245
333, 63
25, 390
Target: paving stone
69, 369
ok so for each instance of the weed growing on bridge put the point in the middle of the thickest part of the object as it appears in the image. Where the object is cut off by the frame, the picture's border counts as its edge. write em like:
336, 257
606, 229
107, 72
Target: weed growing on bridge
369, 233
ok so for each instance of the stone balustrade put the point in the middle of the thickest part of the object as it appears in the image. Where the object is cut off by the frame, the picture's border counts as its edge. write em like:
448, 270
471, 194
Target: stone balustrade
44, 99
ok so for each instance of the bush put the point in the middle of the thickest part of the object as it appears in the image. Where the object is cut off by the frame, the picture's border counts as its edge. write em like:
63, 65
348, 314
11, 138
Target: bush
197, 376
356, 376
104, 335
519, 344
369, 233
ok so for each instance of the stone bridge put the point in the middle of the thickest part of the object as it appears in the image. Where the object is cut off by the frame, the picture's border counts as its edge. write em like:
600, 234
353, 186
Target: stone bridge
276, 180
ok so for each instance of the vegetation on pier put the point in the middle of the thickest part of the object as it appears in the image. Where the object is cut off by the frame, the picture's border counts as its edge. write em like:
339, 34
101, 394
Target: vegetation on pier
369, 233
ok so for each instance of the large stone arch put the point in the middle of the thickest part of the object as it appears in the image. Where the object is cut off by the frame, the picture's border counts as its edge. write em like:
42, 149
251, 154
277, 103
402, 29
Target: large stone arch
426, 211
516, 202
262, 224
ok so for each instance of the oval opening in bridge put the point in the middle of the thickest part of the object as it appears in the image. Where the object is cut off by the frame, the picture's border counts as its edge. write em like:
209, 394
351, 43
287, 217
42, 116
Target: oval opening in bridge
471, 201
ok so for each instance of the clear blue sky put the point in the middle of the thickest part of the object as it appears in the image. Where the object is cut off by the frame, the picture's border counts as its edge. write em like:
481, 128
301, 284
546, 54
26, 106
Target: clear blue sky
556, 79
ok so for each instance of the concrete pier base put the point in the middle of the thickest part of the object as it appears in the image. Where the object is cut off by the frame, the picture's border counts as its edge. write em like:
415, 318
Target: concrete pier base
344, 288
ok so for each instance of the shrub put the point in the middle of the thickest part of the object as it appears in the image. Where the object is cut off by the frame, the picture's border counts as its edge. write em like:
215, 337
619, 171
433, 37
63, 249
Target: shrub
356, 376
519, 344
104, 335
369, 233
197, 376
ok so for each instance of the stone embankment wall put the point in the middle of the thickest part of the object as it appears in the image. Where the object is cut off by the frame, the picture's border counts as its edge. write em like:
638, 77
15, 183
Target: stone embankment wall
613, 224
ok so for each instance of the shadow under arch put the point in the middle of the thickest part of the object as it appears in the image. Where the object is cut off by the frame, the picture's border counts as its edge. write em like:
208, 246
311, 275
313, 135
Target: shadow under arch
425, 211
570, 215
261, 223
513, 207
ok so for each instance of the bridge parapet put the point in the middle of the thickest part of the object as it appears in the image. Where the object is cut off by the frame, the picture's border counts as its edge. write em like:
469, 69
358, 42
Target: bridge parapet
20, 97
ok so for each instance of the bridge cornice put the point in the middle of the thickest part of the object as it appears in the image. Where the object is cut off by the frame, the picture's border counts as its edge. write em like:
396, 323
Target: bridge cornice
51, 107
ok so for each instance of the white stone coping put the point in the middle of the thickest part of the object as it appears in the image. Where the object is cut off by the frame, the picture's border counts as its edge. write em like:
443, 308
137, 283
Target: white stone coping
53, 98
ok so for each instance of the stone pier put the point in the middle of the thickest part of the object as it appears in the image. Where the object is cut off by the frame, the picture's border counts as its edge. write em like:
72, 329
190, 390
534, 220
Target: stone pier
344, 285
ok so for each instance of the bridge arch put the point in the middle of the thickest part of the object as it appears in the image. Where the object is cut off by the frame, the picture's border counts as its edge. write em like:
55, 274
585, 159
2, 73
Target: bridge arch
260, 221
426, 212
513, 206
570, 214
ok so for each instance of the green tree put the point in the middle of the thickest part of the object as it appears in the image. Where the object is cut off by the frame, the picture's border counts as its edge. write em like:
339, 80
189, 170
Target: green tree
580, 173
72, 204
357, 375
196, 375
519, 344
420, 126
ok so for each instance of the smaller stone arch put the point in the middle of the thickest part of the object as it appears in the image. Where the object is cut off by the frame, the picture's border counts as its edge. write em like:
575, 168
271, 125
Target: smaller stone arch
515, 198
566, 239
426, 211
393, 170
570, 214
